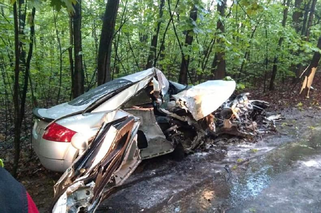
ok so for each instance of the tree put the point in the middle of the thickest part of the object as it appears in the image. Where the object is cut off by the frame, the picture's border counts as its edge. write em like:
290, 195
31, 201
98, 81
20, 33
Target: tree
188, 42
152, 51
286, 4
310, 71
106, 38
310, 20
78, 72
299, 23
16, 101
19, 96
219, 65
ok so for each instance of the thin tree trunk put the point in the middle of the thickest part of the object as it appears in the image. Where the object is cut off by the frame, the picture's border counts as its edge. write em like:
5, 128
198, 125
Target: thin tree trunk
106, 38
123, 20
188, 41
297, 25
266, 59
78, 75
60, 57
219, 65
70, 53
246, 55
161, 52
16, 102
34, 99
6, 100
152, 51
27, 67
312, 11
297, 16
305, 17
286, 4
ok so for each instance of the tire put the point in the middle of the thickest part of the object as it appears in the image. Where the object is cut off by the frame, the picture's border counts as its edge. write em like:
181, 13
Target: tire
179, 153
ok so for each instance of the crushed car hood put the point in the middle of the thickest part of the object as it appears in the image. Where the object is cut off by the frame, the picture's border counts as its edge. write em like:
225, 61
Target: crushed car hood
204, 98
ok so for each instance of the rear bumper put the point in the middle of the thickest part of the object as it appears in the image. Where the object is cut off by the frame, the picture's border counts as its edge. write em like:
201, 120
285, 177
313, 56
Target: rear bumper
53, 164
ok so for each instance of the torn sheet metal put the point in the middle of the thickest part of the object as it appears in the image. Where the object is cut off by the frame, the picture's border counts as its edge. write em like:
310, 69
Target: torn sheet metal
123, 96
203, 99
83, 184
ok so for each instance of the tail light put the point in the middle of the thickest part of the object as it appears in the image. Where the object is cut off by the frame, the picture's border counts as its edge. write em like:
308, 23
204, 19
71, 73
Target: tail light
56, 132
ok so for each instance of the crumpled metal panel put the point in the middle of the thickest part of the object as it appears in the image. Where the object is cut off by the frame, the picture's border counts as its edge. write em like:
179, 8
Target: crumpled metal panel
123, 96
203, 99
83, 184
149, 73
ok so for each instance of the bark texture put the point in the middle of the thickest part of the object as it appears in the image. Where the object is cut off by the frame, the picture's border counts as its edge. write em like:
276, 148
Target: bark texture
185, 57
78, 74
219, 64
106, 39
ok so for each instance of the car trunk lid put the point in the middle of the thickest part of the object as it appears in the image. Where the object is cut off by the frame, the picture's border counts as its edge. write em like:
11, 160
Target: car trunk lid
56, 111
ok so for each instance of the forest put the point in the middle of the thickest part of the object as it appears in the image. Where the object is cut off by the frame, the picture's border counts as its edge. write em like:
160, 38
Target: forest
55, 50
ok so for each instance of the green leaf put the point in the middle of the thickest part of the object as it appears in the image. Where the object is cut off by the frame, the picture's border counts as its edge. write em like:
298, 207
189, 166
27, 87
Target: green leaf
228, 78
240, 86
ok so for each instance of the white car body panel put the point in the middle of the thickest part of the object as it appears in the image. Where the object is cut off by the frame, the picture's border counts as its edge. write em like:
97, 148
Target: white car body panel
204, 98
61, 110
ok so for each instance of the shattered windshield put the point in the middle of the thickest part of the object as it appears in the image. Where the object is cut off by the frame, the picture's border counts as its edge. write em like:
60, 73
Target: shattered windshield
98, 92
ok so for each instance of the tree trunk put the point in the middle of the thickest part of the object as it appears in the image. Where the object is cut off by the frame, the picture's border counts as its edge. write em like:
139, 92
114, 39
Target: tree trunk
275, 61
27, 65
247, 53
309, 74
70, 55
305, 17
219, 65
297, 16
60, 56
312, 10
185, 57
106, 38
78, 74
151, 61
161, 52
16, 102
297, 25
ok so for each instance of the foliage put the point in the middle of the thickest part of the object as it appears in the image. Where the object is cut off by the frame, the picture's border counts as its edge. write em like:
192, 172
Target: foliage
252, 31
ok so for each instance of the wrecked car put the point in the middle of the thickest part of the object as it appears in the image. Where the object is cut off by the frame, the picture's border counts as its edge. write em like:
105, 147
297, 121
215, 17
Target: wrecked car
100, 137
